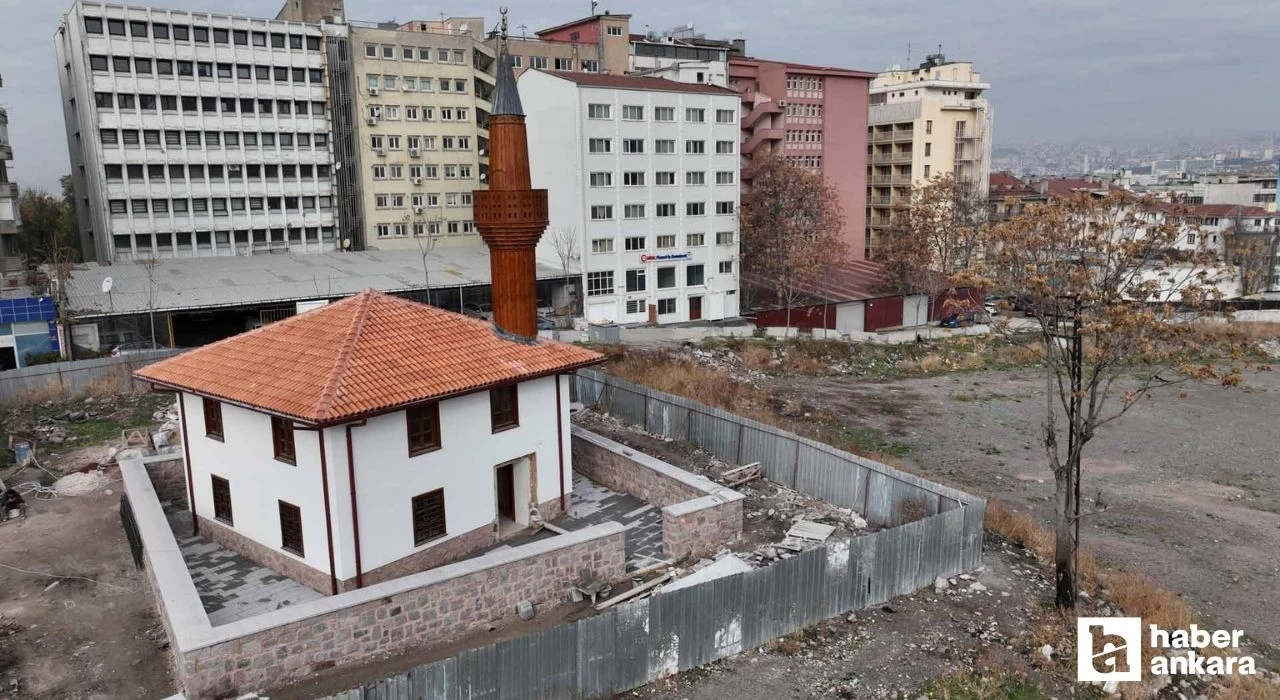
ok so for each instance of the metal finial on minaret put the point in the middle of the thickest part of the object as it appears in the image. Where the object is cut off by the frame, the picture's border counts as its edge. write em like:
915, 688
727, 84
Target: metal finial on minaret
502, 30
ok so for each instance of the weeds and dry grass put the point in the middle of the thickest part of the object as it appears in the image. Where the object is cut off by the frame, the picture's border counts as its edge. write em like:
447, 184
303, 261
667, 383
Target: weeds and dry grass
757, 357
1138, 595
980, 686
1244, 688
687, 378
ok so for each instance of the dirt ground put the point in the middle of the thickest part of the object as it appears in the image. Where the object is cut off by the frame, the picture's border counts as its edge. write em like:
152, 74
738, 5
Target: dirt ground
1190, 486
93, 636
769, 509
897, 650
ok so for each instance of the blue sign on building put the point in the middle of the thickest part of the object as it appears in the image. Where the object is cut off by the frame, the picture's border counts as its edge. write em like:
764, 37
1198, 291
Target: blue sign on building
27, 325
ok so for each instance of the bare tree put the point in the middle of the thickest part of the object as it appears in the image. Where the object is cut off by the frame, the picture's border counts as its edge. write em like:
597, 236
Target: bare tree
1115, 317
792, 230
1254, 254
426, 244
568, 247
149, 265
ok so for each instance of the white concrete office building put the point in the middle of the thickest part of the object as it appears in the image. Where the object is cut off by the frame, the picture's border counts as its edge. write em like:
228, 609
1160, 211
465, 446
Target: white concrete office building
196, 134
645, 172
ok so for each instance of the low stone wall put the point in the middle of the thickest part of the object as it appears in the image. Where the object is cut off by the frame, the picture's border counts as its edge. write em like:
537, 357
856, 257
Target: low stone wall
698, 515
168, 477
424, 609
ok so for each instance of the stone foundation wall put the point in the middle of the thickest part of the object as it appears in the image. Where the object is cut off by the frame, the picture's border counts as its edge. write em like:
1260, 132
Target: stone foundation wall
277, 560
438, 555
168, 478
426, 609
621, 468
698, 515
698, 528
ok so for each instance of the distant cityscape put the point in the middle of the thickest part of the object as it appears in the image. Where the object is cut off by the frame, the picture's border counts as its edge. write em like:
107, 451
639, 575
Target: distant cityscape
1246, 154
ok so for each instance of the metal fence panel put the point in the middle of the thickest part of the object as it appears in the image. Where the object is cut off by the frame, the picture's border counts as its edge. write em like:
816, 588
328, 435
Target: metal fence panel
631, 648
477, 673
433, 681
596, 663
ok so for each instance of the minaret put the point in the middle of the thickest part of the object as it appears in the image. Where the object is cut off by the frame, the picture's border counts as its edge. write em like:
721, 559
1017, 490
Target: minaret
510, 215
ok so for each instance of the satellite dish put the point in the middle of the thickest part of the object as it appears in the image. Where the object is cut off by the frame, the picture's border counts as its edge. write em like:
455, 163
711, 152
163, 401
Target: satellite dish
337, 165
346, 244
106, 285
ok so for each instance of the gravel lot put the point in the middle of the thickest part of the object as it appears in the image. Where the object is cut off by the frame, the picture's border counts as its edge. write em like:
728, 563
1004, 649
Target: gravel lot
1191, 485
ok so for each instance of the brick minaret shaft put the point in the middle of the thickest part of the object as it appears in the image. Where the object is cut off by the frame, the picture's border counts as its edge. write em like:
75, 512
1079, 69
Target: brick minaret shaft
511, 215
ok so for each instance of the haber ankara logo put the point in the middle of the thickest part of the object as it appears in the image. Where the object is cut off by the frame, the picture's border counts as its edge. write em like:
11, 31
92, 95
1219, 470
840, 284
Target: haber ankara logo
1108, 649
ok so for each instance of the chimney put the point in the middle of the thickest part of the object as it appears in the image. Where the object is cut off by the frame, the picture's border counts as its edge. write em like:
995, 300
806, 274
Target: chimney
510, 215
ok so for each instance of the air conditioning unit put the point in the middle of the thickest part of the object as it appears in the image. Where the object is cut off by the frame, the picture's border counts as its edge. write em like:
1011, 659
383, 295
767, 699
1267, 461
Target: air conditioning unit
416, 180
417, 209
380, 151
370, 120
414, 153
484, 152
373, 91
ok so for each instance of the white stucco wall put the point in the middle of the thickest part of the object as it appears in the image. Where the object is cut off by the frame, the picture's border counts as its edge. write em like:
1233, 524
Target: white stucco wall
850, 317
258, 480
387, 479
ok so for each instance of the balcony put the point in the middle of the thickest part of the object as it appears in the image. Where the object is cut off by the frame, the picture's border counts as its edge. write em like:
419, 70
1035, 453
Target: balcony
881, 158
6, 152
878, 136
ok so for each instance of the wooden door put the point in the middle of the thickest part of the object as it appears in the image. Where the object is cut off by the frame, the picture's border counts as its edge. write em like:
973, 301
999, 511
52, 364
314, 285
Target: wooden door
695, 308
507, 491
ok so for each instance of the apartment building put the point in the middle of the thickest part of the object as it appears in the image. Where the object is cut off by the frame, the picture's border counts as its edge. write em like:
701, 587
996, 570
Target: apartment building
684, 55
925, 122
423, 101
10, 217
814, 117
644, 172
595, 44
196, 134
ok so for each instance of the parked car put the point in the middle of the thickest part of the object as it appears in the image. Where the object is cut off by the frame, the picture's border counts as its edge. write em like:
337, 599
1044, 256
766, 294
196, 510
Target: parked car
135, 347
546, 324
477, 311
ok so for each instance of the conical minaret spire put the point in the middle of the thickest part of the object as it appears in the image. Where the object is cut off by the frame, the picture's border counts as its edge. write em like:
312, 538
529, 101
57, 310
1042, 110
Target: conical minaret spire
511, 215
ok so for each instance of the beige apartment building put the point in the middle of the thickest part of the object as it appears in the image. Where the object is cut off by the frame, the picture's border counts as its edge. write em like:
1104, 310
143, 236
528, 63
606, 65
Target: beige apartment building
595, 44
924, 122
423, 93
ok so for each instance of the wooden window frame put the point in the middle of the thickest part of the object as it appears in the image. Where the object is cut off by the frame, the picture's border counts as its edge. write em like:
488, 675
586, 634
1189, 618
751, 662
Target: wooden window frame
425, 536
285, 506
415, 417
230, 519
505, 422
282, 442
213, 426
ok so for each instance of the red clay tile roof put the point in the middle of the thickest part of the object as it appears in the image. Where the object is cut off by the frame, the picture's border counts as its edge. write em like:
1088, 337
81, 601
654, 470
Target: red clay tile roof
636, 82
1065, 187
852, 280
1005, 184
364, 354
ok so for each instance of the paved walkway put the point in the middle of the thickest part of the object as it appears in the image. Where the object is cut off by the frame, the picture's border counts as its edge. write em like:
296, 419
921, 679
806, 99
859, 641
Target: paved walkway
593, 504
232, 587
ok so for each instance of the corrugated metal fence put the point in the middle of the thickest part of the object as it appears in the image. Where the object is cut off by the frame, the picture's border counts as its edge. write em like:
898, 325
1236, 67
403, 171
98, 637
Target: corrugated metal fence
640, 641
78, 375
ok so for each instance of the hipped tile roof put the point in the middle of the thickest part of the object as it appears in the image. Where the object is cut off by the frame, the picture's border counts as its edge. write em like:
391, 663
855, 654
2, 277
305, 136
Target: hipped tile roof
365, 354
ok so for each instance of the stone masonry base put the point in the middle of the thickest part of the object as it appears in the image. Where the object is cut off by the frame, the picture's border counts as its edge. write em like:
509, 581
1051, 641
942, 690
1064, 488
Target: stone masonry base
277, 560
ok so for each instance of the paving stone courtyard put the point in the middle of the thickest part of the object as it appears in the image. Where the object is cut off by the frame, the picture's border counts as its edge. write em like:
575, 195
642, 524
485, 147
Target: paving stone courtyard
233, 587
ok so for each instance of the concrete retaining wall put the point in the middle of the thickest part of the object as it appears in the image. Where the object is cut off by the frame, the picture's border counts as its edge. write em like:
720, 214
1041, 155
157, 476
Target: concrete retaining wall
698, 515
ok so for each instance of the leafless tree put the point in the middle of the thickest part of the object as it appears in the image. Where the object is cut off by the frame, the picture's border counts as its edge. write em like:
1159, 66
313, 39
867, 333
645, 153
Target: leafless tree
1254, 254
149, 265
568, 247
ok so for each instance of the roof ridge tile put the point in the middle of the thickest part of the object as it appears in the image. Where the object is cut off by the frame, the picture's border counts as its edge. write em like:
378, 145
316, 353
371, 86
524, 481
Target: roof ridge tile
325, 401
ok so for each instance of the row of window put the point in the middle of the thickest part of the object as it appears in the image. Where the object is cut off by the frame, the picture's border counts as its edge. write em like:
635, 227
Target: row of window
663, 242
637, 178
208, 106
413, 113
206, 240
804, 136
173, 138
811, 162
795, 82
804, 109
220, 206
660, 146
589, 65
393, 142
660, 114
138, 65
418, 172
604, 212
417, 201
214, 172
411, 53
139, 29
411, 83
601, 283
425, 228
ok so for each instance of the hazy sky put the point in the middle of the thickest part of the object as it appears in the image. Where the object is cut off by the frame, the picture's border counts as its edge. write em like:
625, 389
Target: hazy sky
1060, 69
